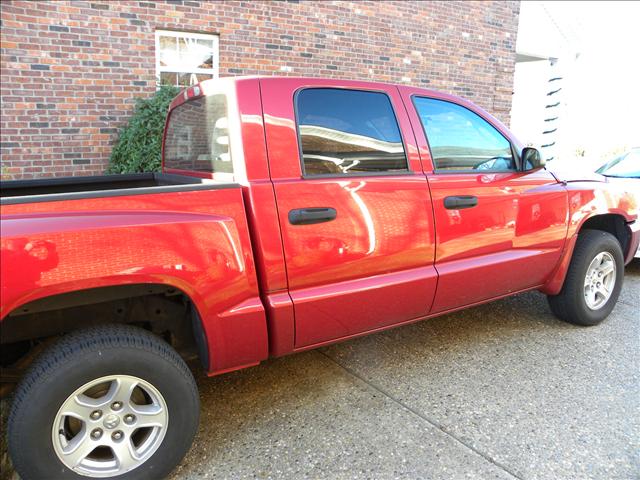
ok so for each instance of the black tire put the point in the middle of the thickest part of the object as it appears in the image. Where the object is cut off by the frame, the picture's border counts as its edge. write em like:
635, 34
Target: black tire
570, 305
79, 358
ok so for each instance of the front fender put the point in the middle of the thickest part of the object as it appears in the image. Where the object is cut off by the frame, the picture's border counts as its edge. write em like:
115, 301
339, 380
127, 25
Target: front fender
588, 200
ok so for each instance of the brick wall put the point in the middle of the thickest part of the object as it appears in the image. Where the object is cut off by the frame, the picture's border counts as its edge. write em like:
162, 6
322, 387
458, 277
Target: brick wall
70, 70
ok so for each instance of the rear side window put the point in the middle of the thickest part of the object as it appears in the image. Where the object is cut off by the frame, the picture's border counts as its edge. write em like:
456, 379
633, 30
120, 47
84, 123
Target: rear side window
198, 136
348, 132
459, 139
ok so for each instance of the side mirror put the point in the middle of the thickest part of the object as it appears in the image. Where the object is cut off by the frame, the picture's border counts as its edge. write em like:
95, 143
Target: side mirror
531, 159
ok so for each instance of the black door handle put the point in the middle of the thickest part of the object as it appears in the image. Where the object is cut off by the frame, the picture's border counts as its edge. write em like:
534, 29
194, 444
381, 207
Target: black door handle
308, 216
460, 202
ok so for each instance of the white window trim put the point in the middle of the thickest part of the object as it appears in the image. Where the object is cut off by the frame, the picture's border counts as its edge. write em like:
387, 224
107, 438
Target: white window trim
214, 71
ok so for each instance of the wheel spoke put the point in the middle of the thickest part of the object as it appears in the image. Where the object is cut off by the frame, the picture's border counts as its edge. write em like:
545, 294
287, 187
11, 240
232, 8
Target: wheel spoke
125, 454
149, 416
80, 407
592, 296
120, 390
606, 269
78, 448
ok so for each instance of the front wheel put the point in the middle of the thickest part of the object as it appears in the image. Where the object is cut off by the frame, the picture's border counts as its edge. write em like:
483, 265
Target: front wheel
593, 282
106, 402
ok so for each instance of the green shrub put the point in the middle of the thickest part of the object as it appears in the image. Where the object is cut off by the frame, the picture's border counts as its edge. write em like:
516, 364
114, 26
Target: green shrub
139, 144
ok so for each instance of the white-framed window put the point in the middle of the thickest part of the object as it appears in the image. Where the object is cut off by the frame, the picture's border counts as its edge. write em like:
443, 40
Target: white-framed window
184, 58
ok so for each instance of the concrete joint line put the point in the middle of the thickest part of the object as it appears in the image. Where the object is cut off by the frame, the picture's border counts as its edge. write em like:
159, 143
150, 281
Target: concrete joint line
420, 415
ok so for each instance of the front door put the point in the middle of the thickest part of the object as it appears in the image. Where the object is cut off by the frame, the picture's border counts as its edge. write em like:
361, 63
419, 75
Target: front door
354, 207
499, 229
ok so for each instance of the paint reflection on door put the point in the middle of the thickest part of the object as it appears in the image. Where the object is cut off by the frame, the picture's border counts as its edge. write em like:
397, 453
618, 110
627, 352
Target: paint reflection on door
372, 265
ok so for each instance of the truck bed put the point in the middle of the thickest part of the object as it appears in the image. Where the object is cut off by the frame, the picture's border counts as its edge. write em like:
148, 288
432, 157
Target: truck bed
69, 188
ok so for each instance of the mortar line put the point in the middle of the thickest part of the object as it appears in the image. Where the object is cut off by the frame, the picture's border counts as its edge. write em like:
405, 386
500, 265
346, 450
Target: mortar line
419, 415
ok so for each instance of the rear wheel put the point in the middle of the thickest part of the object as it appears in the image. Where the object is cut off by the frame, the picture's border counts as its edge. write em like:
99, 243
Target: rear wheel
593, 281
106, 402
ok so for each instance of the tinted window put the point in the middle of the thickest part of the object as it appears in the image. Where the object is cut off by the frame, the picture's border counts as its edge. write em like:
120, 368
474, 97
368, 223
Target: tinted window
198, 137
461, 140
348, 132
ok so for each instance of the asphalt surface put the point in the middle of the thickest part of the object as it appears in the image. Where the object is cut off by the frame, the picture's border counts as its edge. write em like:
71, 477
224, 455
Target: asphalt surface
503, 390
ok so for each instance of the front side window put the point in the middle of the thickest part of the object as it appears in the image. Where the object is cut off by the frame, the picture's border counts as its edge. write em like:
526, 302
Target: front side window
348, 132
197, 137
459, 139
184, 59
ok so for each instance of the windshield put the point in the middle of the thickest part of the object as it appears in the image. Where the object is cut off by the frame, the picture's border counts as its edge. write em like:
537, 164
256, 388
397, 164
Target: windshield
197, 136
627, 165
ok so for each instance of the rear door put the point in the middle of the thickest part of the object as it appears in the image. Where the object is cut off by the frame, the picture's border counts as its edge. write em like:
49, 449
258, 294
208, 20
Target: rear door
354, 206
499, 229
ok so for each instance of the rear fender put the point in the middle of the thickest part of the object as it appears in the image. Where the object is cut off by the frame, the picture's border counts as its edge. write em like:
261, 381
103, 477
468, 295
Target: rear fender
201, 246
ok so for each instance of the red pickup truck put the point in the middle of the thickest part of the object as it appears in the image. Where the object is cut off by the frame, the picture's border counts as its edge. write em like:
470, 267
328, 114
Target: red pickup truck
290, 213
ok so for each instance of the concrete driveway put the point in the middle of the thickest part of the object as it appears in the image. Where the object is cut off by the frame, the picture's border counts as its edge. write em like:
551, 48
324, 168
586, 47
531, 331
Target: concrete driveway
499, 391
502, 390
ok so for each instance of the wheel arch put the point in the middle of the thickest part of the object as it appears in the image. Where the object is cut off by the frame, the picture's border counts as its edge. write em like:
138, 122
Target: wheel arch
614, 223
163, 308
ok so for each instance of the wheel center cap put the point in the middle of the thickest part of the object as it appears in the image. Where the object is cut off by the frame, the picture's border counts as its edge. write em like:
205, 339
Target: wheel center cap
111, 421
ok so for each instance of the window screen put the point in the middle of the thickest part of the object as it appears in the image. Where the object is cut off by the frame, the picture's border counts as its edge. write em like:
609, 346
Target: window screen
460, 139
348, 132
198, 136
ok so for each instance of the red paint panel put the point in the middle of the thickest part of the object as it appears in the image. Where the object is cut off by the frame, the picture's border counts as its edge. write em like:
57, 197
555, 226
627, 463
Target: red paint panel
519, 225
515, 210
281, 323
249, 107
407, 322
520, 221
265, 235
486, 228
383, 225
195, 241
554, 282
587, 200
468, 281
258, 191
346, 308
